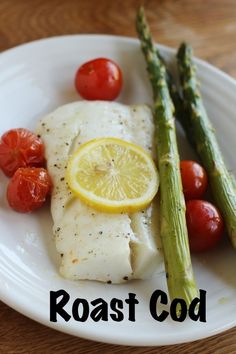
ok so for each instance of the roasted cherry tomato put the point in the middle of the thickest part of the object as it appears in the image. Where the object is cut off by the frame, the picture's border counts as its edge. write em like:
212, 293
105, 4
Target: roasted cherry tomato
20, 148
194, 179
99, 79
205, 225
28, 189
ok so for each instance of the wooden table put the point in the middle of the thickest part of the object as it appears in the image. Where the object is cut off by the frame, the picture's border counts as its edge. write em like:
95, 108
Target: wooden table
210, 26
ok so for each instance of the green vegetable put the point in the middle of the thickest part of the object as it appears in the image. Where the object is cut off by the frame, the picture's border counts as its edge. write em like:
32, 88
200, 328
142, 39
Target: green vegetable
180, 278
180, 113
199, 129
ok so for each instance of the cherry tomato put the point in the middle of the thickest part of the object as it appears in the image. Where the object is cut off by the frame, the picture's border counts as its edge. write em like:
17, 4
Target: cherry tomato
194, 179
28, 189
99, 79
205, 225
20, 148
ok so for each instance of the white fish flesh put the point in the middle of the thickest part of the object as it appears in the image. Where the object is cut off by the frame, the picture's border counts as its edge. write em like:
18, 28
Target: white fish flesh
95, 245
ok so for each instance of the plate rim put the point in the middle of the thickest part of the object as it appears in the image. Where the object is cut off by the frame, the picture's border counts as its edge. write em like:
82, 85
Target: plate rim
197, 60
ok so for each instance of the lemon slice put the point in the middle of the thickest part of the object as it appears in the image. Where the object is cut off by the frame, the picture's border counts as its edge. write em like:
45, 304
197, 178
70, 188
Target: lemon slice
112, 175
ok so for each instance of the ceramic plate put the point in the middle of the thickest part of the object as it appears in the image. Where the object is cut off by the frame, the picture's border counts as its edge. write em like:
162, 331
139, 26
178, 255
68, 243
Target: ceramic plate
35, 79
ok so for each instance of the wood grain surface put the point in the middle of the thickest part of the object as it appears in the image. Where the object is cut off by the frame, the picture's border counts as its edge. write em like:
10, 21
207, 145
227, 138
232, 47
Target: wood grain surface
210, 26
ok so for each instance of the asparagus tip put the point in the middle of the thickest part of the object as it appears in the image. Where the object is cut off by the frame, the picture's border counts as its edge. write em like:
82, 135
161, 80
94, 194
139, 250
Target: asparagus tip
185, 50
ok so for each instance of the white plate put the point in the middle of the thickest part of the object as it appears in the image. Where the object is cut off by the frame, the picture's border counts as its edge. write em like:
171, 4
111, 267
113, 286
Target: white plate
35, 79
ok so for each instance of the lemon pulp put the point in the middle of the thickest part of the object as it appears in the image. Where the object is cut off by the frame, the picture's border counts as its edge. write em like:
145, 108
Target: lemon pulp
113, 175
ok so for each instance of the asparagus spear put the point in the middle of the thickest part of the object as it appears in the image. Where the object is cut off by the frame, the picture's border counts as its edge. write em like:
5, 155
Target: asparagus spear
179, 274
180, 112
199, 128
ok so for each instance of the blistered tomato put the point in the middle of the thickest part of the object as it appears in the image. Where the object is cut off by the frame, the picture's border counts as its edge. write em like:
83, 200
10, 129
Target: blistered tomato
20, 148
28, 189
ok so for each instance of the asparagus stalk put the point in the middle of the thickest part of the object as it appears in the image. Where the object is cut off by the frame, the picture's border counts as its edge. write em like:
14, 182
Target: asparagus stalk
199, 128
180, 112
179, 274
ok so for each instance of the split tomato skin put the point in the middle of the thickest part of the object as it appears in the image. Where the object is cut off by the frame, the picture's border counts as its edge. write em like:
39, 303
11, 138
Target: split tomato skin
99, 79
28, 189
194, 179
205, 225
20, 148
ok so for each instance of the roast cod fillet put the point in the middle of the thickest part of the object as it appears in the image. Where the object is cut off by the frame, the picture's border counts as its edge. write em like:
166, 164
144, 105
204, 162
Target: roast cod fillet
95, 245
